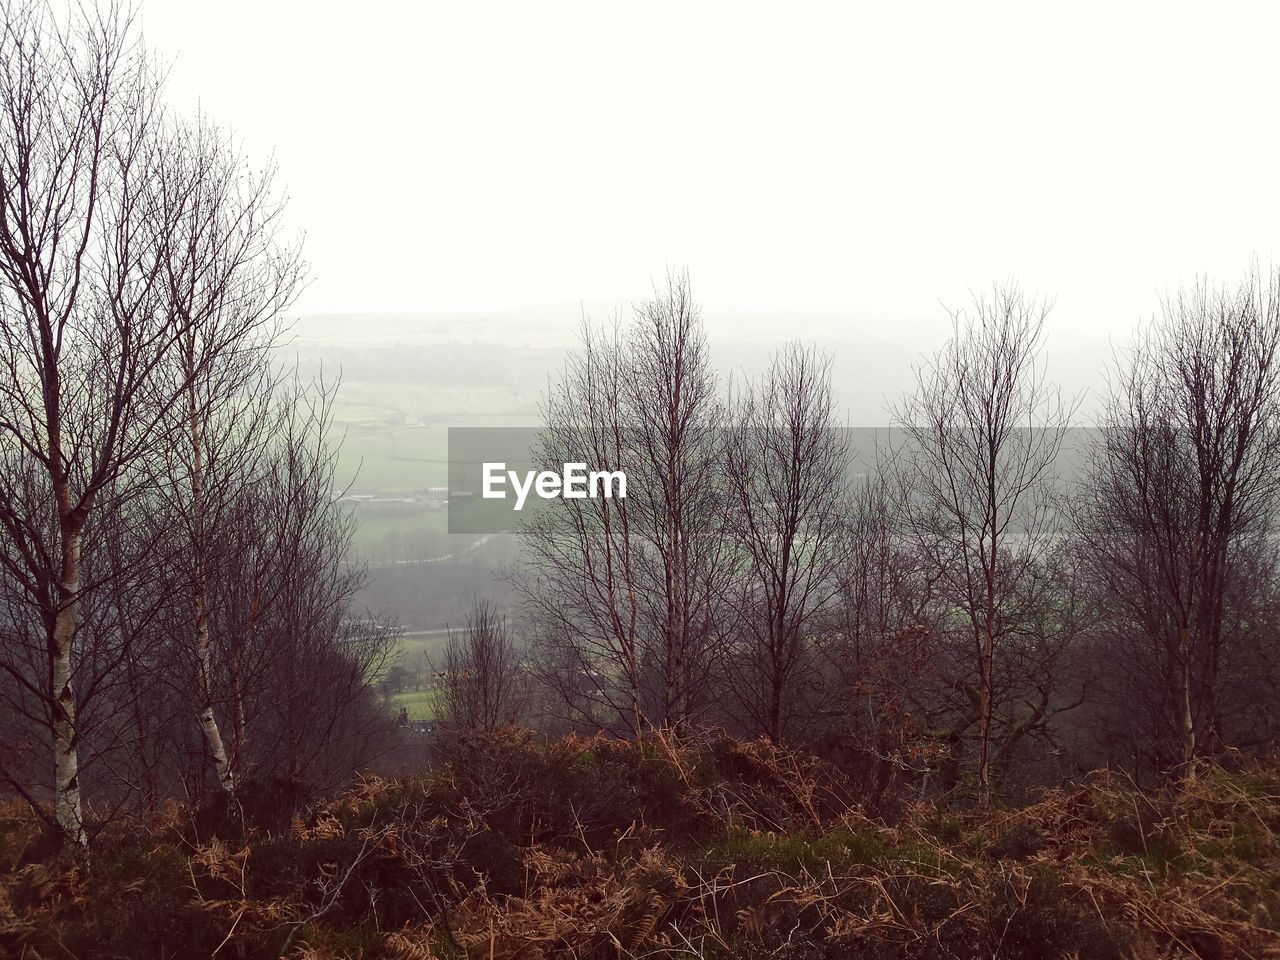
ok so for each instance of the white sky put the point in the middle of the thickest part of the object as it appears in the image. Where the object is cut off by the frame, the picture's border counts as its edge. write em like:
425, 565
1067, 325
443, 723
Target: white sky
872, 158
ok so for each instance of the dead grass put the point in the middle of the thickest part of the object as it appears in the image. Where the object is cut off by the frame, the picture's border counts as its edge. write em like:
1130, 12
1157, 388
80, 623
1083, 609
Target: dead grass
519, 849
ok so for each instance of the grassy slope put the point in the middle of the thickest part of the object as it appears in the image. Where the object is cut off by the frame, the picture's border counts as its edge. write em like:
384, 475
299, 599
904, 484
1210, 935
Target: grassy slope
515, 848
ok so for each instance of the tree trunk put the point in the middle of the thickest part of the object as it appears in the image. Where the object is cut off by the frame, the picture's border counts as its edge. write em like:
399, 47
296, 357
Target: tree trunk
208, 722
984, 721
239, 733
66, 762
200, 591
775, 708
1188, 720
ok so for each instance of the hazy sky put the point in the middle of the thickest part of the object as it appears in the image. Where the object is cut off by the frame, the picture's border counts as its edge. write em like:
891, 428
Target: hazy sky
873, 158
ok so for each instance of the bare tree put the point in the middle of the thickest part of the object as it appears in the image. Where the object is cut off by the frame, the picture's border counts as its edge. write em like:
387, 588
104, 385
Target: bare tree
298, 659
880, 645
676, 472
1182, 491
228, 280
85, 325
628, 594
982, 433
786, 462
291, 661
581, 581
483, 684
165, 502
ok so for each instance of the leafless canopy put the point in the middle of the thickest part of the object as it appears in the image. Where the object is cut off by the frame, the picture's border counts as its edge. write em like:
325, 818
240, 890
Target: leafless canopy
982, 435
786, 461
626, 593
484, 682
1177, 514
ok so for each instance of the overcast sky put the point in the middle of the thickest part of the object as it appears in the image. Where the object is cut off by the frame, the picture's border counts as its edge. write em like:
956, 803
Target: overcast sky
869, 158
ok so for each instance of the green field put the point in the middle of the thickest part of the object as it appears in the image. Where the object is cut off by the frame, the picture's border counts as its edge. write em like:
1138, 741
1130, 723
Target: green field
420, 649
421, 704
418, 653
388, 533
394, 458
404, 382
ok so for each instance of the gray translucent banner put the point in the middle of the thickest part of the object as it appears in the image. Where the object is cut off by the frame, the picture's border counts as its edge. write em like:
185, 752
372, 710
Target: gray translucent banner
495, 453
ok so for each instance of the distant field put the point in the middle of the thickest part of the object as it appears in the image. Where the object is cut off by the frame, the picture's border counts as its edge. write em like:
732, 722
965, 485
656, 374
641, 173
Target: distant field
421, 704
404, 382
394, 458
418, 651
422, 597
395, 533
372, 402
423, 647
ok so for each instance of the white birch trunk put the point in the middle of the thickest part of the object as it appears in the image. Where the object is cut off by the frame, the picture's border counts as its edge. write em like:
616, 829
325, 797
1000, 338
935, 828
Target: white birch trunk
1187, 718
200, 591
66, 763
208, 722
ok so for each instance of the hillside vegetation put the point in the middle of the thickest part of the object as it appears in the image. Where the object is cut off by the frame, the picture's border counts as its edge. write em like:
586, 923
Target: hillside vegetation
518, 847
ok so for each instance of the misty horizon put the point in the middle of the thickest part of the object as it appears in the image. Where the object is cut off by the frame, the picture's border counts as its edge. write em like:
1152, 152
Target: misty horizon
873, 355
